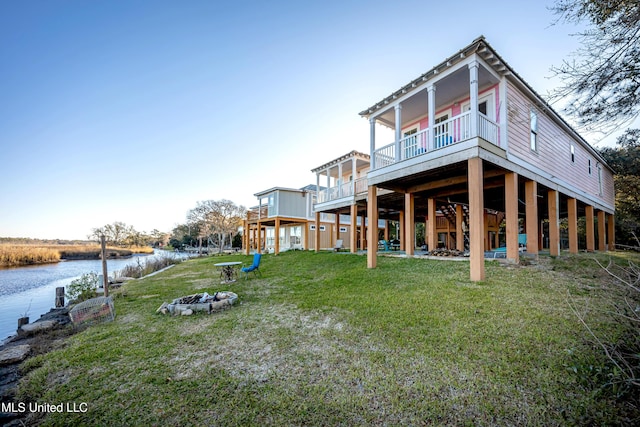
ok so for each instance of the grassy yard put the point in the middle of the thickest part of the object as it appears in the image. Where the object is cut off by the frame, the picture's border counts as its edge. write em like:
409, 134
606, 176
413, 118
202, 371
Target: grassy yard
322, 340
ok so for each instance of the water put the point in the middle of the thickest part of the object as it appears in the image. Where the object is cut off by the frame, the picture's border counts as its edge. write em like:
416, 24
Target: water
32, 289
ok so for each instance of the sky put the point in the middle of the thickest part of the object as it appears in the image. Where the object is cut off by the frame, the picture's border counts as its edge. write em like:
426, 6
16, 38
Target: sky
134, 111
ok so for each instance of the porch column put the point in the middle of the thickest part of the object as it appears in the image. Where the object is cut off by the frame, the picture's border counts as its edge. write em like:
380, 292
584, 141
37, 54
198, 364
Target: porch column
340, 181
473, 95
318, 185
276, 249
591, 246
476, 218
511, 216
305, 236
432, 224
328, 183
259, 249
572, 219
398, 130
401, 232
317, 233
353, 232
409, 218
459, 230
487, 240
431, 111
337, 227
363, 234
554, 222
372, 214
531, 213
602, 242
386, 230
353, 176
612, 233
245, 236
372, 142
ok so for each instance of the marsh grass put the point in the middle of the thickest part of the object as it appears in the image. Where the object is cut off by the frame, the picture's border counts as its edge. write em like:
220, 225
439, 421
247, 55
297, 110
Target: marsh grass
322, 340
13, 255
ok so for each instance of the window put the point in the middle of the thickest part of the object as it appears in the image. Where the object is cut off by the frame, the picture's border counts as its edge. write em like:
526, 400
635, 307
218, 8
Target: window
312, 227
323, 228
599, 180
343, 229
589, 166
573, 154
534, 130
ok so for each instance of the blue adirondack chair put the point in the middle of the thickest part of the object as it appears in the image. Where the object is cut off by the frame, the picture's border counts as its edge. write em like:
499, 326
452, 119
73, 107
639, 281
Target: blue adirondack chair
255, 267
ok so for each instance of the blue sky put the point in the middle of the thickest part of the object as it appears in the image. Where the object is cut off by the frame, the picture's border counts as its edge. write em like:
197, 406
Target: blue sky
133, 111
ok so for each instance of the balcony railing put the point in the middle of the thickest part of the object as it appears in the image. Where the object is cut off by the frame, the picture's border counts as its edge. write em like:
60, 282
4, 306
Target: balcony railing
256, 214
347, 189
446, 133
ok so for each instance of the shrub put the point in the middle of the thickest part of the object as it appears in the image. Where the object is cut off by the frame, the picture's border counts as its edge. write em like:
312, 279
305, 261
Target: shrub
83, 288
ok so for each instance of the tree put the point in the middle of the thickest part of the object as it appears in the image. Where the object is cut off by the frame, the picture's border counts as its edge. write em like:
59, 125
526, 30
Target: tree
216, 217
602, 82
226, 217
119, 234
114, 234
625, 160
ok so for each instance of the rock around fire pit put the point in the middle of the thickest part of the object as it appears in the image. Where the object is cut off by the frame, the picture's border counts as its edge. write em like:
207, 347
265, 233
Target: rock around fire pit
199, 302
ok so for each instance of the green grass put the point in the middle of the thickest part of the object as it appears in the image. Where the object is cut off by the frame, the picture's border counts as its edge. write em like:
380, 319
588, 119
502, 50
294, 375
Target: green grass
322, 340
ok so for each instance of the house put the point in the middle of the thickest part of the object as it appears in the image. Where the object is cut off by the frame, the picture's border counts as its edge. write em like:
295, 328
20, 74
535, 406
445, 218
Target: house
472, 138
284, 220
345, 197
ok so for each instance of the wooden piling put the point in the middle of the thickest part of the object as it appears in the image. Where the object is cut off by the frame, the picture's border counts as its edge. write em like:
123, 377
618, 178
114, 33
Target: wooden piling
105, 274
60, 297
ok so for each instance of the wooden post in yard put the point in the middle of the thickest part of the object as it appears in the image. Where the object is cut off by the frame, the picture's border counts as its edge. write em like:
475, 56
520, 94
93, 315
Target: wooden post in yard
105, 277
60, 297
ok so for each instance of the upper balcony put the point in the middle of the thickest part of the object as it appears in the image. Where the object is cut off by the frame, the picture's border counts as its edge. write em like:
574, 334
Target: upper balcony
451, 109
345, 178
346, 190
446, 133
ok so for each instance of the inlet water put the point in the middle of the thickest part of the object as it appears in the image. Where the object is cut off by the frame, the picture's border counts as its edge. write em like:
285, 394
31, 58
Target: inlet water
32, 289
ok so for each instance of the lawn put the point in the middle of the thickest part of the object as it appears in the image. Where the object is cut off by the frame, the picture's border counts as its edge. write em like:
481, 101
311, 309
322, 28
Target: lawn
320, 339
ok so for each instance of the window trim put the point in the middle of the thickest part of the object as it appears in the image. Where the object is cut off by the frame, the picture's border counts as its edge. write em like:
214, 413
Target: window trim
533, 130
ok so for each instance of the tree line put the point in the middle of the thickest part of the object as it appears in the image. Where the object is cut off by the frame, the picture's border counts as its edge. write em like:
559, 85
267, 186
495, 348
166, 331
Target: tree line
211, 223
123, 235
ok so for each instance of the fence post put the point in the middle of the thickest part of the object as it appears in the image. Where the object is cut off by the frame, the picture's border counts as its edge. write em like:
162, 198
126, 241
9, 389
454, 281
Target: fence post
60, 297
105, 277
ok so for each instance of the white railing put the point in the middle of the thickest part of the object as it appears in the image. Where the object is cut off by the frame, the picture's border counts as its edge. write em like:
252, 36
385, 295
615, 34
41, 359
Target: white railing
347, 189
488, 129
450, 131
446, 133
323, 196
385, 156
361, 186
413, 145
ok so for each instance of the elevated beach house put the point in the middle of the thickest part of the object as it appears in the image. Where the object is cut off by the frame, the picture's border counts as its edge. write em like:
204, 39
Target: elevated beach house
472, 137
284, 220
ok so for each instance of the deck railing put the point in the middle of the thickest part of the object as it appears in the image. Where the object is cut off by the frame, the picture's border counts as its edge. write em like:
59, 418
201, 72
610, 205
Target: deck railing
445, 133
261, 213
347, 189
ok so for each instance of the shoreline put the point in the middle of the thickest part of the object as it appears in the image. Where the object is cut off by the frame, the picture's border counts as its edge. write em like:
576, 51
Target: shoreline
16, 255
